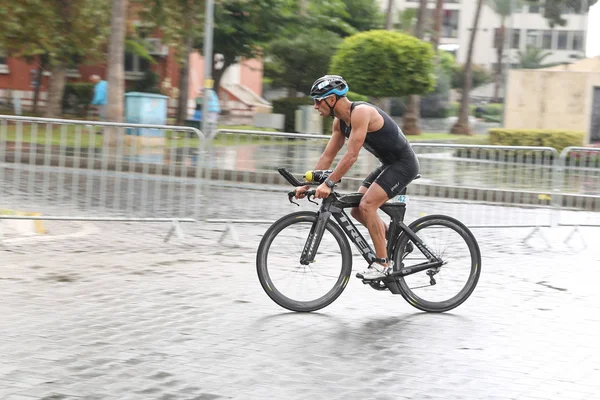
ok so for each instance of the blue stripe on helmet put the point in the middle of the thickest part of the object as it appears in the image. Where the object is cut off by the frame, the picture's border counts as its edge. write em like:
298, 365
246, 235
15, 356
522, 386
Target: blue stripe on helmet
332, 91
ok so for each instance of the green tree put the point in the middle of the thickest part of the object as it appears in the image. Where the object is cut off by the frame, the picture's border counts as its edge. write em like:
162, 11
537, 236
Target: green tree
63, 31
407, 20
116, 67
314, 39
179, 23
363, 15
244, 27
533, 58
479, 76
294, 62
404, 64
554, 9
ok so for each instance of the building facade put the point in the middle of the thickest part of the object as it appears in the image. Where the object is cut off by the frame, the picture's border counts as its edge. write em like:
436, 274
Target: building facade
241, 86
525, 27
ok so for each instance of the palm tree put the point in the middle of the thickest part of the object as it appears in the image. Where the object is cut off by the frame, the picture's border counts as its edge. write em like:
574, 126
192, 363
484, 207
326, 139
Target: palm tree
437, 27
406, 20
462, 125
116, 68
388, 15
504, 9
410, 121
532, 58
184, 69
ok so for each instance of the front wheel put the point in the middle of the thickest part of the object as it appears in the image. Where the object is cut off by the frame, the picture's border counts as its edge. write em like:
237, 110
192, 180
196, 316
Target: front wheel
300, 287
444, 288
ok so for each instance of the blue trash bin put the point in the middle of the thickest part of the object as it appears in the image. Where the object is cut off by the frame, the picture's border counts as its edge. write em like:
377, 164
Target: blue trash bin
146, 108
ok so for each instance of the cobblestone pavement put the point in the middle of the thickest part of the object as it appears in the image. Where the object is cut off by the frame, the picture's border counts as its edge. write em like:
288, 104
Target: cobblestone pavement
110, 311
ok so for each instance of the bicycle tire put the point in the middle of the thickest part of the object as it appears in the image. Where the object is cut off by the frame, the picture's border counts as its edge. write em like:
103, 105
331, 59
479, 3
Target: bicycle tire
467, 235
262, 267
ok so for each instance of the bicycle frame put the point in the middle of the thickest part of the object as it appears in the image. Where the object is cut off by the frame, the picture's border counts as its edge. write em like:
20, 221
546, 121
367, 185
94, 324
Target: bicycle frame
334, 205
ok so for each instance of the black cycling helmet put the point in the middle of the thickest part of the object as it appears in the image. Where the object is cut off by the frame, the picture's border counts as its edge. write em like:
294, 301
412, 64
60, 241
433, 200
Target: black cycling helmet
329, 85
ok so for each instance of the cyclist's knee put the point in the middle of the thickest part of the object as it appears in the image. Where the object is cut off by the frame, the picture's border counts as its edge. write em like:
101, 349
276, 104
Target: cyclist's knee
355, 212
366, 207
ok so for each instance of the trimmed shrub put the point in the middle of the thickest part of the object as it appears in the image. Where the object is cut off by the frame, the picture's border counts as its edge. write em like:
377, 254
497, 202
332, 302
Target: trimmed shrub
536, 137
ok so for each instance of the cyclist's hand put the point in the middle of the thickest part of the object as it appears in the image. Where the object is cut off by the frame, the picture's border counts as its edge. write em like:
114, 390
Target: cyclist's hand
323, 191
300, 192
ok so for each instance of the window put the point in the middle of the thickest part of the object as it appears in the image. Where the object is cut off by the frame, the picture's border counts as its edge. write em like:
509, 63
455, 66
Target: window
534, 9
515, 35
497, 38
516, 38
577, 40
450, 24
547, 40
3, 66
135, 66
562, 40
449, 28
533, 36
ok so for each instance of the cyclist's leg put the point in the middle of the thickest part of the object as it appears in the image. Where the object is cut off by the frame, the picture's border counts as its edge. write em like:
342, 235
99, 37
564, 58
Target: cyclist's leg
355, 211
388, 184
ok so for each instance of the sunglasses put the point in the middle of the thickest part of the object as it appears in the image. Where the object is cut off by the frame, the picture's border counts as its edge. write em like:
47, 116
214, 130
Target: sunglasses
319, 101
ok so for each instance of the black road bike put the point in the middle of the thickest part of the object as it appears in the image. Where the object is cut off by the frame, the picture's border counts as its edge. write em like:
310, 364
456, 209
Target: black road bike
436, 259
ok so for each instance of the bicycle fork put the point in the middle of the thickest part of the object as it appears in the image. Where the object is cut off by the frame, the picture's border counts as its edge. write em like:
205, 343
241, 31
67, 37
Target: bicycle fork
314, 238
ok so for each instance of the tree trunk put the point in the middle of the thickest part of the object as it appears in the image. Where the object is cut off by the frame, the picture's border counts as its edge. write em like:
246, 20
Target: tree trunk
410, 121
462, 125
184, 83
303, 8
389, 15
499, 68
184, 71
56, 90
437, 28
36, 92
116, 71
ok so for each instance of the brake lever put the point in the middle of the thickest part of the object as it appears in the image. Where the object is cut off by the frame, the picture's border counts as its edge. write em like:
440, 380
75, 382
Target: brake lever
291, 196
308, 198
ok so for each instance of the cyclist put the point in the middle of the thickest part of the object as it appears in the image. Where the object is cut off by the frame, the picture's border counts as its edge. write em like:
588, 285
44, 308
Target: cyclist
364, 125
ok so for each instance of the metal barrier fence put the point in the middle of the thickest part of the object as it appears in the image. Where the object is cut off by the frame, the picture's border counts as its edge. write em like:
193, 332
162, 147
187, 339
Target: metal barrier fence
68, 169
577, 196
484, 186
511, 185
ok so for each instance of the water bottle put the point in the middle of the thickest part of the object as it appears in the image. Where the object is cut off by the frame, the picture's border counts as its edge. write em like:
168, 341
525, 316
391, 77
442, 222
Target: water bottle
318, 175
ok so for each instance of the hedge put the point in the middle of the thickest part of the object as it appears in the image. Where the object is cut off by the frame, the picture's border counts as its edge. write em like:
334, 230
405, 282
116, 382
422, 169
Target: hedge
557, 139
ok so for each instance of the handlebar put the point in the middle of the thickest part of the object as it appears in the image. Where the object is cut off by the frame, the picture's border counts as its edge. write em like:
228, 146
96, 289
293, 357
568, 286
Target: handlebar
295, 182
308, 194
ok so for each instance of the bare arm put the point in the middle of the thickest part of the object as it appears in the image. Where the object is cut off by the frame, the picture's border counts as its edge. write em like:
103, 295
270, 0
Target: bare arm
333, 147
360, 123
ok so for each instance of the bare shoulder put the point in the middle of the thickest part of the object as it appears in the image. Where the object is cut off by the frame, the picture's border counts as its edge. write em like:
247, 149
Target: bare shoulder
363, 112
336, 124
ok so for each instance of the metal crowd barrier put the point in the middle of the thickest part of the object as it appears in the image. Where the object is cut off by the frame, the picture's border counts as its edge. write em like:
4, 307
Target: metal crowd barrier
67, 170
484, 186
488, 186
577, 197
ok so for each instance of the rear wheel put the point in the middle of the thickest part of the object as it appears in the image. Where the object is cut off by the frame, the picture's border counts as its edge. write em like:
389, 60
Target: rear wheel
444, 288
300, 287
